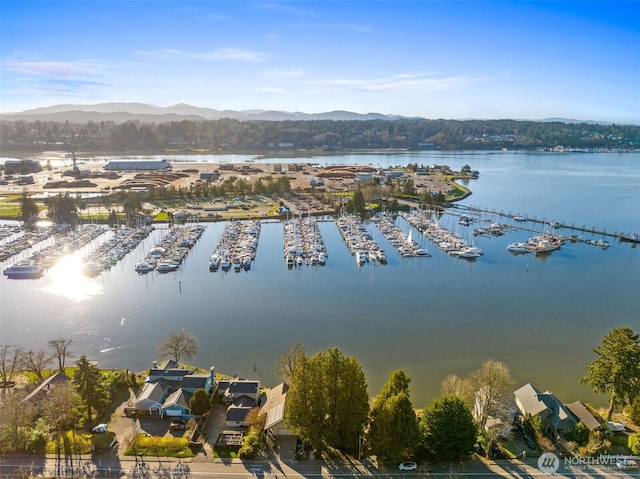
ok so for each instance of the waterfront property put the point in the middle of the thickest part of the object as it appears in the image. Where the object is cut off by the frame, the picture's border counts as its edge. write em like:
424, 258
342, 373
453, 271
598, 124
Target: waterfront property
168, 389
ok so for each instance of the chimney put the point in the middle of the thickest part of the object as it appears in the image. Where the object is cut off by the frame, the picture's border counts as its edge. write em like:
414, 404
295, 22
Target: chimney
155, 364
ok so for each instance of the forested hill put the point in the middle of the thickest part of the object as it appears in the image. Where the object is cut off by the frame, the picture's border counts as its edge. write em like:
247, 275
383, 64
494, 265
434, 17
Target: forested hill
248, 136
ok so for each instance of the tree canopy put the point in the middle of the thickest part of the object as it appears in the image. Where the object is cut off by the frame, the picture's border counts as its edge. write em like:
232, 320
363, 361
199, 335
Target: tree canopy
616, 370
327, 402
393, 425
448, 429
89, 386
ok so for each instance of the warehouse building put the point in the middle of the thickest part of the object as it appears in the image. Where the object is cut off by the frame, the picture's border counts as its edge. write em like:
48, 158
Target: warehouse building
138, 165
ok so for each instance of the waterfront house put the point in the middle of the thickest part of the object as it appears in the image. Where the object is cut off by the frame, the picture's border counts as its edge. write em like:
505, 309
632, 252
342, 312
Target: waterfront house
555, 416
168, 389
54, 381
585, 416
240, 396
177, 404
272, 406
151, 397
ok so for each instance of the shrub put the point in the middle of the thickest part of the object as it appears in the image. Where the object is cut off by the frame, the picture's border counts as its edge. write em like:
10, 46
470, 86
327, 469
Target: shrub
632, 411
250, 446
579, 434
634, 444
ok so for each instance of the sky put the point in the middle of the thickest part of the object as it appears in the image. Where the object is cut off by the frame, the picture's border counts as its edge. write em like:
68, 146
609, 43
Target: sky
431, 59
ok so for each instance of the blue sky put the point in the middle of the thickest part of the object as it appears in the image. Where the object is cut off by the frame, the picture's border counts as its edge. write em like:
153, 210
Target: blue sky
444, 59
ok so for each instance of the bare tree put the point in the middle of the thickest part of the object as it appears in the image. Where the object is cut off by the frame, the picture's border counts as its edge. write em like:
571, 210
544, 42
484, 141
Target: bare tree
178, 345
11, 360
60, 349
287, 362
37, 361
492, 385
452, 385
61, 407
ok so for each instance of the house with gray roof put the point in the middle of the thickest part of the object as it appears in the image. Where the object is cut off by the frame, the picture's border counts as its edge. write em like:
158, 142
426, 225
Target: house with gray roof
45, 387
168, 389
152, 397
555, 416
272, 405
585, 416
177, 404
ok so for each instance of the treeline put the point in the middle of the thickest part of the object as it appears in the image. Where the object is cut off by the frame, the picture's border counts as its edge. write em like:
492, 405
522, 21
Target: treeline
332, 135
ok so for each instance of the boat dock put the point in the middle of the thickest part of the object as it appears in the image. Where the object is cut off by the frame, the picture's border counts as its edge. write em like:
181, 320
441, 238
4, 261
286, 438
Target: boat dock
522, 221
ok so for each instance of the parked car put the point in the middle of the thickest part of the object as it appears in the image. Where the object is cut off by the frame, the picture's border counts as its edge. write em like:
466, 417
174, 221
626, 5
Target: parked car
100, 428
408, 466
176, 426
626, 464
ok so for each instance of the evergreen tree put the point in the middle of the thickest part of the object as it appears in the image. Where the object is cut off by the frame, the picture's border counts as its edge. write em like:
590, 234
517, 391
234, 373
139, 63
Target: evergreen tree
327, 402
393, 426
616, 370
88, 383
199, 402
28, 208
448, 428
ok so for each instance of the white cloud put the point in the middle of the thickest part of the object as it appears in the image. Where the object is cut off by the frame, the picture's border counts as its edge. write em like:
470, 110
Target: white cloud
276, 74
53, 68
230, 53
401, 82
271, 91
351, 26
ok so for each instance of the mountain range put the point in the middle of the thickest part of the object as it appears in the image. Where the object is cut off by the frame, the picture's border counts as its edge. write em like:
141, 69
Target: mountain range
122, 112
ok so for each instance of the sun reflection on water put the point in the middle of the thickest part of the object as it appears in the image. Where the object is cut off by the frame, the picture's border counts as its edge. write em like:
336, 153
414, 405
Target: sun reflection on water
68, 280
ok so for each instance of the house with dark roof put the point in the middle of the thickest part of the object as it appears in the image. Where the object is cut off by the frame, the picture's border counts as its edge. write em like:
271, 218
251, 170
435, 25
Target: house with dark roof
168, 389
555, 416
239, 387
584, 415
240, 396
45, 387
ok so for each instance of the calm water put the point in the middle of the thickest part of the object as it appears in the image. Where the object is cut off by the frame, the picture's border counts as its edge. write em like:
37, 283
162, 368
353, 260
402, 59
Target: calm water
430, 316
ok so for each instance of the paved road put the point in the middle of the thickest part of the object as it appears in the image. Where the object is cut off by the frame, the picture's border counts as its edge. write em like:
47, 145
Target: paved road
14, 467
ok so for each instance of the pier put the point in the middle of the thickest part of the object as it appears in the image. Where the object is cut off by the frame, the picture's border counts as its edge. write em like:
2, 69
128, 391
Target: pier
554, 224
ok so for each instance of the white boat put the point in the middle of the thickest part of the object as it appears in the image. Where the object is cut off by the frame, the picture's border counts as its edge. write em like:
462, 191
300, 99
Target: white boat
322, 258
422, 252
290, 261
166, 267
24, 270
361, 258
519, 218
518, 248
92, 268
469, 252
546, 246
144, 266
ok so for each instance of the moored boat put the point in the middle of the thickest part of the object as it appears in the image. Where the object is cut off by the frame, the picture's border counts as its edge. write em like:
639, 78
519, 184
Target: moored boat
518, 248
24, 270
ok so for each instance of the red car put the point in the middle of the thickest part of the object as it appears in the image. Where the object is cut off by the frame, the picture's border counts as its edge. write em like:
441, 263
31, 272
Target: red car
176, 426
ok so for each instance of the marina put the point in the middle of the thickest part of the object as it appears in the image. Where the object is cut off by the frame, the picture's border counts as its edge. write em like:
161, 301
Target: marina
303, 243
430, 316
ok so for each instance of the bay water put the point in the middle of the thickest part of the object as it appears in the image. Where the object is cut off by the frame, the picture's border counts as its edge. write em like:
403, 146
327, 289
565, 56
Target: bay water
434, 316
